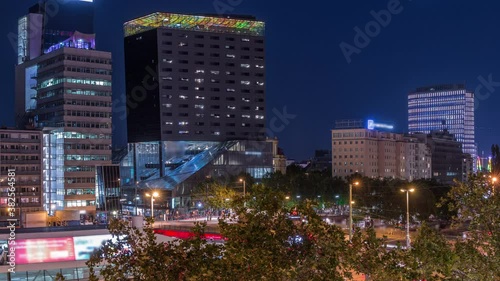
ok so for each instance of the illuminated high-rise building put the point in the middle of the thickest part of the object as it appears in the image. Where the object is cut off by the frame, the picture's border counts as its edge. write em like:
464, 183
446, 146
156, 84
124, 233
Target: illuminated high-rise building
63, 87
444, 107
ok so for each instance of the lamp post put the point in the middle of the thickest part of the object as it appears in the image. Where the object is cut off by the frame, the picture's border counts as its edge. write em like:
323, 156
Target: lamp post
155, 194
244, 191
407, 215
493, 182
350, 208
136, 199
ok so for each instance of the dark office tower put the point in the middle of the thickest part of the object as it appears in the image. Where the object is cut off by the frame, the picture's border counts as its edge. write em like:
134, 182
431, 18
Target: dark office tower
195, 88
444, 107
195, 78
65, 90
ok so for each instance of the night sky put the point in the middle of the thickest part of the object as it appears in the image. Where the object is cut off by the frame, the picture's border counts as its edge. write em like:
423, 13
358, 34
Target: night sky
426, 42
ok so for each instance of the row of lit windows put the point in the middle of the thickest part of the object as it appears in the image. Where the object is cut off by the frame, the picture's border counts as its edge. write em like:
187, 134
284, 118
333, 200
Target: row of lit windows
80, 203
80, 191
213, 124
88, 59
20, 169
212, 63
79, 157
18, 136
213, 133
214, 81
74, 135
18, 147
232, 90
19, 157
89, 70
88, 125
212, 46
80, 180
58, 92
87, 113
56, 81
24, 200
82, 146
213, 37
79, 168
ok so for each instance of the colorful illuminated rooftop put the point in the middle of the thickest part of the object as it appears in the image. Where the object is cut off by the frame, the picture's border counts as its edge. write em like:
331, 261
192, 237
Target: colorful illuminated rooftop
195, 23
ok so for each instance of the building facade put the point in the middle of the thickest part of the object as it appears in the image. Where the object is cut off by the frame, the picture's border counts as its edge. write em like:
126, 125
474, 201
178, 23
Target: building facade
196, 102
447, 156
195, 78
377, 153
65, 91
444, 107
20, 172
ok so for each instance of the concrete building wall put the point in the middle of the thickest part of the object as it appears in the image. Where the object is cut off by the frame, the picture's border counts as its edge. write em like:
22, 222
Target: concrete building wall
21, 170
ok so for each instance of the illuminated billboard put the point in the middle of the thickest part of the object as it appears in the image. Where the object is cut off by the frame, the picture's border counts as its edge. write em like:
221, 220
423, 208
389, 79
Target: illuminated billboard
372, 126
54, 249
44, 250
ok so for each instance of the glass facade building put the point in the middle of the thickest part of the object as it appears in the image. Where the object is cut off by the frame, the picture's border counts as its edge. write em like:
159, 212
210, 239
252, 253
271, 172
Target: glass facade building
444, 107
63, 86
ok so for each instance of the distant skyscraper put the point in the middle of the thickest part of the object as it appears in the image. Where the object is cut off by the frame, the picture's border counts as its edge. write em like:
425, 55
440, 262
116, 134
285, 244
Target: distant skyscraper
63, 86
444, 107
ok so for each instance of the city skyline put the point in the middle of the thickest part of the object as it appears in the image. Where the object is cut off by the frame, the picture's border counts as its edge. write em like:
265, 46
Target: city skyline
397, 59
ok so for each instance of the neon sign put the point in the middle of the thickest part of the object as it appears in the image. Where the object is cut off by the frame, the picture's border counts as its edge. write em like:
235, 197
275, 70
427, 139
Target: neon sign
372, 126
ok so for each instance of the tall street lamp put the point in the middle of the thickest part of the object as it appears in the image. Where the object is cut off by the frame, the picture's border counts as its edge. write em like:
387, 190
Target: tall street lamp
494, 181
244, 191
350, 208
407, 215
155, 194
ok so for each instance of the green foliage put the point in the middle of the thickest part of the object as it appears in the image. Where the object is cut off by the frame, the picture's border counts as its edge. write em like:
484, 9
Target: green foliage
263, 243
477, 206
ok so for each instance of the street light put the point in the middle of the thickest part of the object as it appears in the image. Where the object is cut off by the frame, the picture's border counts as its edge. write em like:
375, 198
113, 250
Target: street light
350, 208
155, 194
407, 215
244, 186
244, 191
493, 182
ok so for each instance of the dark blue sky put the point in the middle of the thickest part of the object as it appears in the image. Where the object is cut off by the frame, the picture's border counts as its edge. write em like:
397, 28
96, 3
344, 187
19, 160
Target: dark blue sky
427, 42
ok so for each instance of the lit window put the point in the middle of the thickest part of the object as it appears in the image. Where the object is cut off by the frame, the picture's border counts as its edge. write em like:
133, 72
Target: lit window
200, 106
183, 97
259, 116
183, 132
183, 123
245, 82
245, 116
167, 60
259, 66
184, 79
200, 71
199, 80
215, 72
230, 90
245, 99
245, 39
169, 123
230, 56
231, 107
200, 97
260, 83
245, 65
